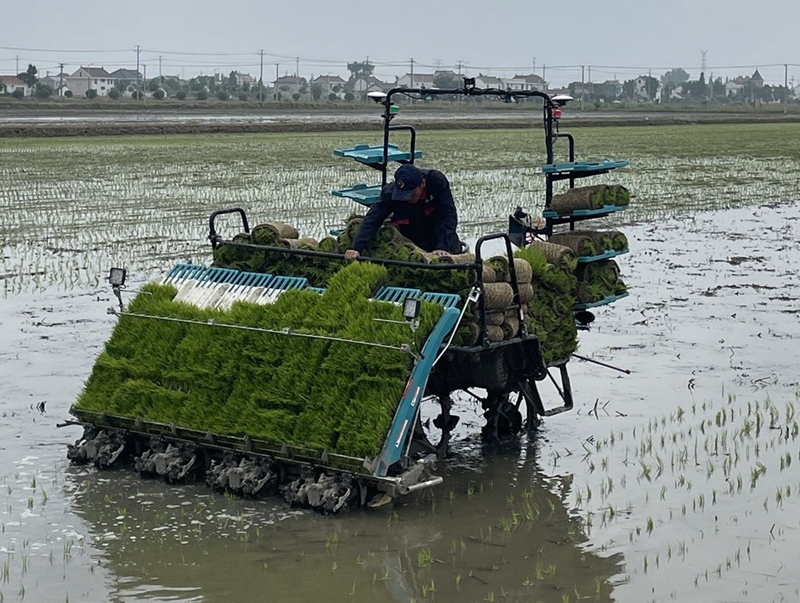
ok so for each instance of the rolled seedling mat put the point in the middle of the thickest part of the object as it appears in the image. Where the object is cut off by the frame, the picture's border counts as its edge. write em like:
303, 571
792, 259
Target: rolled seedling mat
606, 272
231, 256
495, 333
283, 230
523, 271
581, 245
500, 265
489, 274
459, 258
525, 293
557, 255
618, 195
589, 293
603, 239
584, 197
619, 242
495, 317
306, 243
349, 232
598, 280
536, 259
510, 327
329, 245
386, 234
267, 234
497, 296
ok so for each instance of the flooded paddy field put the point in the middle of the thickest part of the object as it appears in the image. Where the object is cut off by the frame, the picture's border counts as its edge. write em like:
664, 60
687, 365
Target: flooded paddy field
680, 481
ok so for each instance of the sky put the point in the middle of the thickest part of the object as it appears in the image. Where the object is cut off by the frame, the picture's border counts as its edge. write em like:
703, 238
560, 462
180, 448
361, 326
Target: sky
617, 39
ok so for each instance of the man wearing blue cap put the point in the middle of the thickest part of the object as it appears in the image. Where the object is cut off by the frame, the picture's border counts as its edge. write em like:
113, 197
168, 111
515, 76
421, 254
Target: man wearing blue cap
422, 209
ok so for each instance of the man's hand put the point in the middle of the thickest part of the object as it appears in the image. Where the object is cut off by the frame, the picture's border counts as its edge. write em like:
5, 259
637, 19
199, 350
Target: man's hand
440, 252
351, 254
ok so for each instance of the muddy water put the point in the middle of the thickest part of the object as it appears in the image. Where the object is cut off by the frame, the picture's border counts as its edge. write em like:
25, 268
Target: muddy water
679, 481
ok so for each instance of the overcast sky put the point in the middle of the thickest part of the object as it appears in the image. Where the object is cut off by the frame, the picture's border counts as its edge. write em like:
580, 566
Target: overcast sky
621, 38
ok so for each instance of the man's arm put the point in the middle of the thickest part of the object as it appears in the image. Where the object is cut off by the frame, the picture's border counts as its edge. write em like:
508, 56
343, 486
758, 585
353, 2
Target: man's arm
447, 219
377, 213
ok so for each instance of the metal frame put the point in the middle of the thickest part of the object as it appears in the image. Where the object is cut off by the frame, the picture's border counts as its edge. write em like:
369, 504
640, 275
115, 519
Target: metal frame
469, 89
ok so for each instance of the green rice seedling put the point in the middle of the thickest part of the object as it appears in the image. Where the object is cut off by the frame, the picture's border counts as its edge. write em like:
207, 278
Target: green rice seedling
424, 557
335, 396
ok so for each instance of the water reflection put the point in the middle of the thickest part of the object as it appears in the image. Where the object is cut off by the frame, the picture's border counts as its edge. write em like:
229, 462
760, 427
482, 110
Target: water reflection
497, 530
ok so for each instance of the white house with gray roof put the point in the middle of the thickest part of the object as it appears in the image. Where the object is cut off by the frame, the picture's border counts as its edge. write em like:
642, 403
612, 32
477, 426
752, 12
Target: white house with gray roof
90, 78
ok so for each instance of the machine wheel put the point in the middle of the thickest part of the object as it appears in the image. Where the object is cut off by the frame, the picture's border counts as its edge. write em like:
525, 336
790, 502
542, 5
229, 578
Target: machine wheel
503, 420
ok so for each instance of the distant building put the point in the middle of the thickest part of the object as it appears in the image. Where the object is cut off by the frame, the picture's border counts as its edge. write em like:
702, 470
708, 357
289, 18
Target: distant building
610, 89
289, 85
11, 83
90, 78
641, 93
559, 91
489, 81
244, 78
364, 85
525, 82
580, 89
329, 84
416, 80
126, 81
735, 86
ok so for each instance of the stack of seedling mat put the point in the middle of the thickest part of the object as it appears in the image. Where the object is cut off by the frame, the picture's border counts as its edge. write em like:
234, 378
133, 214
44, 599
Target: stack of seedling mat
597, 280
387, 243
600, 241
330, 395
549, 313
546, 280
502, 315
590, 197
317, 270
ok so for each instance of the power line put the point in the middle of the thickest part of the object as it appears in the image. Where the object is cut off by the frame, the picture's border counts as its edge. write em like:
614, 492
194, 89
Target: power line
59, 50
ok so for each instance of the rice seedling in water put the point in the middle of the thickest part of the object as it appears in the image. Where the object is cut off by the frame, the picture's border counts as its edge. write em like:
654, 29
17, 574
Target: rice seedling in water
161, 198
699, 472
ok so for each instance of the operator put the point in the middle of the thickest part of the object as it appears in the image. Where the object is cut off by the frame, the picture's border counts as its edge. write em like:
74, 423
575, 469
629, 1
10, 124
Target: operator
422, 209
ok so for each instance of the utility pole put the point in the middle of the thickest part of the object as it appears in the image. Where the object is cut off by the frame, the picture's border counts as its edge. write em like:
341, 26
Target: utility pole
534, 65
297, 68
711, 86
17, 57
411, 85
275, 85
544, 75
261, 78
460, 80
144, 94
138, 74
591, 88
583, 86
703, 54
785, 85
61, 80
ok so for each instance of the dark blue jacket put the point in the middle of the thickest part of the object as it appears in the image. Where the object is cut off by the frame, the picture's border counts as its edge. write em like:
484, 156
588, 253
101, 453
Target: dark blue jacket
430, 223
